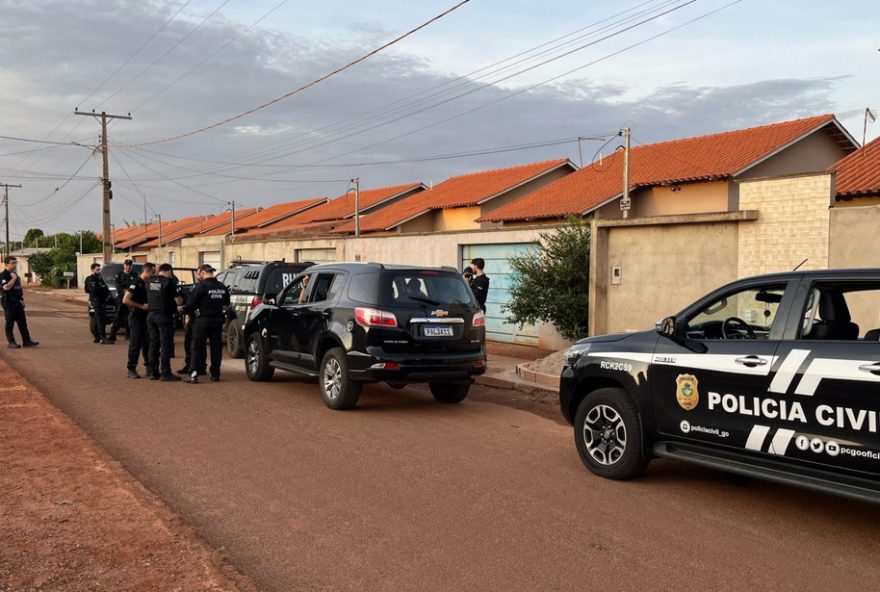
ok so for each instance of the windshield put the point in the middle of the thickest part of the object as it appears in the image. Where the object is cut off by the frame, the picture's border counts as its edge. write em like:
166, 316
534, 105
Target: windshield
420, 288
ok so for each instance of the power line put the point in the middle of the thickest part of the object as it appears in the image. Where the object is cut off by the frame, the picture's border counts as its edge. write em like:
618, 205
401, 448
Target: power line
210, 57
62, 186
303, 87
178, 183
31, 140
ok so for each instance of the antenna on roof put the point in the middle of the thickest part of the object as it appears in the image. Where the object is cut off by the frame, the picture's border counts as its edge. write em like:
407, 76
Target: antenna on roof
800, 264
868, 113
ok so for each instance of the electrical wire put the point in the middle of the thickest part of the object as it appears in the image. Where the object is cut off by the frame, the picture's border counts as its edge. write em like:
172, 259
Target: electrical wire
308, 85
210, 57
59, 188
178, 183
31, 140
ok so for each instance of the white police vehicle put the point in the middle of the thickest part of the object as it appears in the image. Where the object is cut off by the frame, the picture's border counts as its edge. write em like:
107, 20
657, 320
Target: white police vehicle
776, 377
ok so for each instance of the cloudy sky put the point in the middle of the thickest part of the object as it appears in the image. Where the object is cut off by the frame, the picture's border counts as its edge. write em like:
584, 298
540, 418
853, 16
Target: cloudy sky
490, 75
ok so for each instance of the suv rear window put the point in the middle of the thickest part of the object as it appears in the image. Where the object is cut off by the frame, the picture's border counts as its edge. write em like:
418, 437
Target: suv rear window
423, 287
278, 279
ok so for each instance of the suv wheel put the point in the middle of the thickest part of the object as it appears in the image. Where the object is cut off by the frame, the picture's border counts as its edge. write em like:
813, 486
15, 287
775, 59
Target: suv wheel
338, 390
608, 435
234, 340
256, 362
449, 393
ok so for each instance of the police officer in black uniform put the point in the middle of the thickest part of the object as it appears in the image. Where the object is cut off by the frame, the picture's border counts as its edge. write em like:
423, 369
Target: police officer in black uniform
123, 280
98, 292
163, 298
12, 298
207, 305
135, 300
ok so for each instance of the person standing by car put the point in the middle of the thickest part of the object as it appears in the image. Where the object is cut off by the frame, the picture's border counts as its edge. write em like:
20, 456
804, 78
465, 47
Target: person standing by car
98, 292
163, 298
480, 282
207, 305
13, 304
123, 280
135, 300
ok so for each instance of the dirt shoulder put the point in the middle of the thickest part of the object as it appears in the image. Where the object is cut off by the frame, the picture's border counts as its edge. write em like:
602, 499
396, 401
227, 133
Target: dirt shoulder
71, 518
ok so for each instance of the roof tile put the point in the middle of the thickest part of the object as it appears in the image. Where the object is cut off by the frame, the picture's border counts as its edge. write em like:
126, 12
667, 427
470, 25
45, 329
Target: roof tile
859, 173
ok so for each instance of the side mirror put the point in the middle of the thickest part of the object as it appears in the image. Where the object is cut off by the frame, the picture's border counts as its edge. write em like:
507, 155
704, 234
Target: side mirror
269, 298
666, 326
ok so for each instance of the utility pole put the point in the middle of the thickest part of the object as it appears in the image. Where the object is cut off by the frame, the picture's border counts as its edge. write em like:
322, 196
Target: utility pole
6, 187
80, 242
357, 205
105, 178
625, 202
160, 230
232, 235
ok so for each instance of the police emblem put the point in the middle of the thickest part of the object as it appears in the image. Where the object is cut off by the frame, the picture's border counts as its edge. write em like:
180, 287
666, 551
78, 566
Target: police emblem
686, 392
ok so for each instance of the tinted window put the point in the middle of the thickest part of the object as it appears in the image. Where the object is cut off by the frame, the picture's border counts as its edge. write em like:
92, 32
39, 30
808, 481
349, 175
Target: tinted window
321, 290
842, 311
748, 313
247, 281
296, 292
364, 288
420, 288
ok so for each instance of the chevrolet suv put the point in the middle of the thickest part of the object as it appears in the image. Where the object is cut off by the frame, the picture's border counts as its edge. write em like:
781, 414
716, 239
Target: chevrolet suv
355, 323
776, 377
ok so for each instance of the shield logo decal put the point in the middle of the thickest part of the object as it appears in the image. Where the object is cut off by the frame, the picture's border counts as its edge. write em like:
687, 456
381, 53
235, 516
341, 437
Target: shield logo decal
687, 392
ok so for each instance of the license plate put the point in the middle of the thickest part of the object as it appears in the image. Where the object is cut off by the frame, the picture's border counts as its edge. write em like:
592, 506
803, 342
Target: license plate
437, 331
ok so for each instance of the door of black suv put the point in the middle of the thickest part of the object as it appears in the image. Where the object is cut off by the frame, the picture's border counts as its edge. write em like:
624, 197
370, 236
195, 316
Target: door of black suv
710, 383
311, 318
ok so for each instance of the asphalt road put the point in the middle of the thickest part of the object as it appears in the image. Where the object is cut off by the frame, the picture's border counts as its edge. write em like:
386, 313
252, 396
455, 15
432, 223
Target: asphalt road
406, 494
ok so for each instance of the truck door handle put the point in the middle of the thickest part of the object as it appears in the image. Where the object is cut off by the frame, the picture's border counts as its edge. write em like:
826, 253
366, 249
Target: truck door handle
751, 361
873, 368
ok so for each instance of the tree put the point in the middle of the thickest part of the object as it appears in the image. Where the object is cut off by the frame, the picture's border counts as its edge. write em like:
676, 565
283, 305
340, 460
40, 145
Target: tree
31, 236
51, 265
551, 283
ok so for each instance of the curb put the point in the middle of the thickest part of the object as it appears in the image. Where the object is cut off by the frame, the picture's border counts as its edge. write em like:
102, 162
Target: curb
531, 389
542, 379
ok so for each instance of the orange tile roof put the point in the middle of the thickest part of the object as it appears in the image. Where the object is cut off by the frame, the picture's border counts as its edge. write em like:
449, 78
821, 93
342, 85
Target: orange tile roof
701, 158
167, 227
456, 192
129, 232
859, 173
267, 216
203, 224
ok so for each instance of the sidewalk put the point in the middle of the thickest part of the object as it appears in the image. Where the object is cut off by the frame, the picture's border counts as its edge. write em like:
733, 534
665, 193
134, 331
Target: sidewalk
501, 373
74, 519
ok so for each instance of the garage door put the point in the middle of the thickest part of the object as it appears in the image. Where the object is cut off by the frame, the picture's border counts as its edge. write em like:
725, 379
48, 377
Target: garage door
212, 258
497, 257
315, 255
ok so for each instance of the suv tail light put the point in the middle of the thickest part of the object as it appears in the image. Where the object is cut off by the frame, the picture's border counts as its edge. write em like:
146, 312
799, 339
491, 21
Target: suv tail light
257, 301
479, 319
373, 317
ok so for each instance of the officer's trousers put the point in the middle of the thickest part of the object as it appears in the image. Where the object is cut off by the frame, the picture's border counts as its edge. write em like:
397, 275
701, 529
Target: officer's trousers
121, 320
207, 329
98, 322
14, 312
160, 328
137, 339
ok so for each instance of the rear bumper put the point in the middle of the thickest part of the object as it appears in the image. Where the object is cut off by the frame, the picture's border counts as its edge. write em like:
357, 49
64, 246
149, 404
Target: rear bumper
413, 369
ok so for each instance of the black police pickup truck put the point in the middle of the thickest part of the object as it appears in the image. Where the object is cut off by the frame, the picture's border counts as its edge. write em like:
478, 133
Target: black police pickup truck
776, 377
353, 323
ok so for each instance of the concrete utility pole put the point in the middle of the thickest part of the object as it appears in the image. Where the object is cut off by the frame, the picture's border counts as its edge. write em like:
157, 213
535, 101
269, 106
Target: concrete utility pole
357, 205
105, 178
6, 187
626, 202
232, 234
160, 230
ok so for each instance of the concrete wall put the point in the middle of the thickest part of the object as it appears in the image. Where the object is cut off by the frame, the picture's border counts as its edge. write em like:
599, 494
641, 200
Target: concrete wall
793, 226
816, 152
853, 237
666, 263
688, 198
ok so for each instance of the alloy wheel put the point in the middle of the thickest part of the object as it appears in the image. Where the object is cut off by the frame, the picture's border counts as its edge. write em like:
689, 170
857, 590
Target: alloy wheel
332, 378
604, 434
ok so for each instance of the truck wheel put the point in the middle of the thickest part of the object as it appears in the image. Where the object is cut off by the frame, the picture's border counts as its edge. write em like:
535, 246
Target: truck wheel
608, 435
234, 341
338, 390
256, 363
449, 393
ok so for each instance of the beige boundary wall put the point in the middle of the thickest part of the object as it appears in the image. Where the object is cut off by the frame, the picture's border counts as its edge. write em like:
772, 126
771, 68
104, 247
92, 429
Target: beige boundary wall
666, 262
854, 237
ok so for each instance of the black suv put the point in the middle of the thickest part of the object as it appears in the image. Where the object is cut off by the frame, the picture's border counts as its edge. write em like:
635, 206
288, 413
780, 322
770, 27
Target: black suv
775, 376
352, 323
249, 282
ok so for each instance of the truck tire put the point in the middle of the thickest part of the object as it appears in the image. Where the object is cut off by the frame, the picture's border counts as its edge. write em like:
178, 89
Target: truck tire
608, 435
338, 390
256, 363
234, 340
449, 393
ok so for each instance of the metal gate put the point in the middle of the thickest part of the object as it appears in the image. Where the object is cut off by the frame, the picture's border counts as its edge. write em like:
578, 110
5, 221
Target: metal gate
497, 258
